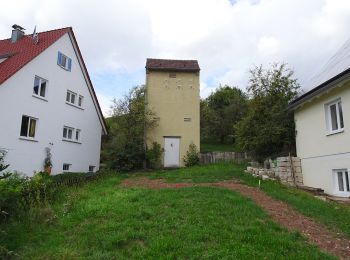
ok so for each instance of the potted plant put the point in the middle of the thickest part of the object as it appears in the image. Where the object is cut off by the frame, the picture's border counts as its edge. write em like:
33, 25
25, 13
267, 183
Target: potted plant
48, 161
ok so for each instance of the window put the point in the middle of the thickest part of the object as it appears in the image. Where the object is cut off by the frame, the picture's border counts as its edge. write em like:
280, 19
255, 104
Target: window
28, 126
40, 85
77, 135
80, 100
172, 75
91, 168
342, 181
187, 119
66, 166
67, 132
74, 99
71, 134
64, 62
334, 116
71, 97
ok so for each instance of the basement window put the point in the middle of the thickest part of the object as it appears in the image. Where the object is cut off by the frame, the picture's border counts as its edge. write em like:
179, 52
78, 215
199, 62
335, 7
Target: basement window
91, 168
342, 181
66, 167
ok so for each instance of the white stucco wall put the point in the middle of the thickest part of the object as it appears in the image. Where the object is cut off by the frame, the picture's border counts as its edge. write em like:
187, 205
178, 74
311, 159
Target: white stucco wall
16, 100
320, 152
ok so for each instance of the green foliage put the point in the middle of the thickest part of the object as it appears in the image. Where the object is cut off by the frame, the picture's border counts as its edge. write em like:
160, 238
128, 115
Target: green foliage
102, 220
3, 166
18, 193
334, 215
153, 156
215, 147
48, 160
124, 148
268, 128
220, 112
192, 156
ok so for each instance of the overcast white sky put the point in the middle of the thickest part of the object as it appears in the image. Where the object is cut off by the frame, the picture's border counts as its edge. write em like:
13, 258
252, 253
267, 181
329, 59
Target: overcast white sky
226, 36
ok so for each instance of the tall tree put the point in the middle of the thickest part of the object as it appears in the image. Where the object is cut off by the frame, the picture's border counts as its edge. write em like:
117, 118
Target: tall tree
268, 128
124, 148
221, 111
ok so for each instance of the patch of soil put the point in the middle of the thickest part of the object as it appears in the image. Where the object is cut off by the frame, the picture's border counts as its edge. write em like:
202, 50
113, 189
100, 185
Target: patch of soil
144, 182
279, 211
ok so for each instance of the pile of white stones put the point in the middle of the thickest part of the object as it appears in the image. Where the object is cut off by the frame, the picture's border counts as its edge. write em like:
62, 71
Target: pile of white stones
265, 174
286, 169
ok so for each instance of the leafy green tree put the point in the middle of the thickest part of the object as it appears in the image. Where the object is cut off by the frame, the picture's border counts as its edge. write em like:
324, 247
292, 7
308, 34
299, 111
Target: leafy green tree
268, 128
3, 166
221, 111
124, 148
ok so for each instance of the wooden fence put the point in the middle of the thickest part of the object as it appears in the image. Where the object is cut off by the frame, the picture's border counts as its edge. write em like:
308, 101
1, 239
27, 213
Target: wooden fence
213, 157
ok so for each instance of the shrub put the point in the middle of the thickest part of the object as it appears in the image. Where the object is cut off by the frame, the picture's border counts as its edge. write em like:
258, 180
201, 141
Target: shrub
3, 166
48, 160
127, 159
153, 156
18, 192
38, 189
11, 194
192, 156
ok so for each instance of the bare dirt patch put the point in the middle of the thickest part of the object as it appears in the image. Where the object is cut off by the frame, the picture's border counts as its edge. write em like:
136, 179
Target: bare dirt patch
282, 213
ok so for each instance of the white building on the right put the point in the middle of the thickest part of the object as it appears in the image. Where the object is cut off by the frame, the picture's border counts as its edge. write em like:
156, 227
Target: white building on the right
322, 118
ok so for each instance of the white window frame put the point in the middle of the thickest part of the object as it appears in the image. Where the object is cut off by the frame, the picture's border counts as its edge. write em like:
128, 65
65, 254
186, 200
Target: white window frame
68, 165
346, 182
75, 102
39, 88
71, 94
73, 138
27, 137
80, 100
340, 129
77, 135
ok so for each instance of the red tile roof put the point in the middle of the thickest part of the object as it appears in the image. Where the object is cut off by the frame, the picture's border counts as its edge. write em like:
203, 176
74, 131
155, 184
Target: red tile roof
18, 54
172, 65
24, 50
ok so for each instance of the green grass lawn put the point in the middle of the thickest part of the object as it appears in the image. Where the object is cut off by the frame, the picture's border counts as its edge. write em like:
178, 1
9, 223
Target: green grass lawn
101, 220
331, 214
211, 147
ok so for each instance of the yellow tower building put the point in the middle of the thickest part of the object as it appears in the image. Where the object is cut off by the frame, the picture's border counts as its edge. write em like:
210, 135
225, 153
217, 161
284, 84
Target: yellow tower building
173, 95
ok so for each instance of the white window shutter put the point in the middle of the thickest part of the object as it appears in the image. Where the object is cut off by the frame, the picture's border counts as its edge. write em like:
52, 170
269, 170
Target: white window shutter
59, 58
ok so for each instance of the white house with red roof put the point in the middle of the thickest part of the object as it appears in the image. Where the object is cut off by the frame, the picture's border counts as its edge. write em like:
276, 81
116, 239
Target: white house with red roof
322, 119
47, 100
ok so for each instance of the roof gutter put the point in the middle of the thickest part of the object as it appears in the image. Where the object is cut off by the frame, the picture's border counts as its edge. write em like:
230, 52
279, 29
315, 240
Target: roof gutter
327, 85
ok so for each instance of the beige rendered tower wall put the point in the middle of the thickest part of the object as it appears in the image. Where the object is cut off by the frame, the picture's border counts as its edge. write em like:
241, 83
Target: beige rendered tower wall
172, 88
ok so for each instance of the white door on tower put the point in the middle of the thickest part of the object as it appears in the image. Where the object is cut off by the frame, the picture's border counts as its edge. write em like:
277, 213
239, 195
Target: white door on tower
171, 152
